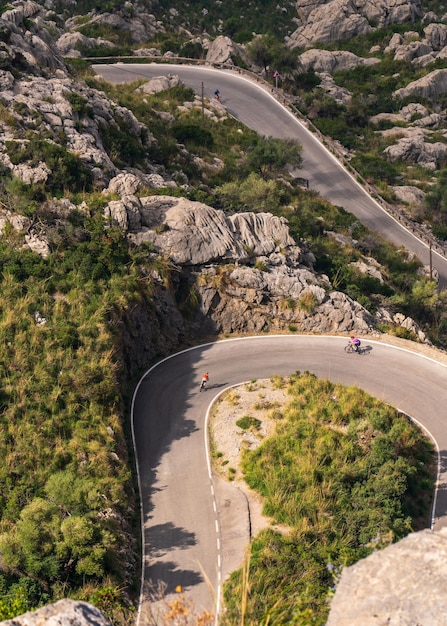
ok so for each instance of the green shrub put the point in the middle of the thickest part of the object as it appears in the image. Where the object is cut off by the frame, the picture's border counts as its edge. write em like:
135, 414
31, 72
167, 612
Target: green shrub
123, 147
247, 422
66, 170
193, 135
79, 104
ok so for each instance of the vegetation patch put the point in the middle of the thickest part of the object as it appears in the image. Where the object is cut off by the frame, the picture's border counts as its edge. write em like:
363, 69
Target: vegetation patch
347, 475
247, 422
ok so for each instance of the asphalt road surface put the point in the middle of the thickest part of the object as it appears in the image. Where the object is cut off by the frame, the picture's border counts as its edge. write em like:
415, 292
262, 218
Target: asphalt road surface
195, 527
256, 107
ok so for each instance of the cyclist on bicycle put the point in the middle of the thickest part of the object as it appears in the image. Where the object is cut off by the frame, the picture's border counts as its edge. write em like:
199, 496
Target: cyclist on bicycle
205, 378
355, 343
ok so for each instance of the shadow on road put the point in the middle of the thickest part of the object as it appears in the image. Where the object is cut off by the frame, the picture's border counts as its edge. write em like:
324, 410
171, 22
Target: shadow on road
216, 386
167, 572
165, 537
162, 418
365, 350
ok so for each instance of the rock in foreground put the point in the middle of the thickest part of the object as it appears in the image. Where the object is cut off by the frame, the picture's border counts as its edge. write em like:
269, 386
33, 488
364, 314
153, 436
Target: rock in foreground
62, 613
402, 585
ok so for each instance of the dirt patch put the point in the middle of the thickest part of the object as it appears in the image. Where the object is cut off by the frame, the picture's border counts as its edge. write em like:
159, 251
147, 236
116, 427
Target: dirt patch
240, 420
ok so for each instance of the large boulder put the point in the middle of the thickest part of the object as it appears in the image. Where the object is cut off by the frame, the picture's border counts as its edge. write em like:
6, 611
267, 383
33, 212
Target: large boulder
402, 585
332, 61
436, 36
224, 50
69, 44
430, 86
62, 613
160, 83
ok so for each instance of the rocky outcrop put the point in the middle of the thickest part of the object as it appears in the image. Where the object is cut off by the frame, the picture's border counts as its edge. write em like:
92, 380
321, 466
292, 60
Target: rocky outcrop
62, 613
339, 94
326, 22
30, 49
430, 86
277, 298
71, 44
332, 61
410, 195
223, 51
192, 233
414, 113
403, 585
139, 25
247, 271
414, 136
32, 238
412, 148
159, 83
52, 102
420, 51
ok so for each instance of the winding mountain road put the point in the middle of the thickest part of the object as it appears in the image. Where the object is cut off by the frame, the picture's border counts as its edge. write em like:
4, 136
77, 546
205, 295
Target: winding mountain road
195, 527
255, 106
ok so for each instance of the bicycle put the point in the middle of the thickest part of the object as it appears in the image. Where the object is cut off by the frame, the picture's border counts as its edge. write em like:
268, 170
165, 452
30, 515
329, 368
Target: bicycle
353, 348
205, 379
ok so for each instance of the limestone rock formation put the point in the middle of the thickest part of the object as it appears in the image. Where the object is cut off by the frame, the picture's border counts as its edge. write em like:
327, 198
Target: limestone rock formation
50, 101
62, 613
159, 83
25, 47
332, 61
192, 233
410, 195
412, 148
430, 86
224, 50
328, 21
339, 94
249, 273
69, 44
140, 26
402, 585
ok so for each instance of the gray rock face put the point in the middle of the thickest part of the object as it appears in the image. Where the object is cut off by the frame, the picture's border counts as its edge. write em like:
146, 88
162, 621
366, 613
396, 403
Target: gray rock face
413, 149
436, 35
37, 48
141, 26
251, 300
248, 271
62, 613
430, 86
68, 43
325, 22
411, 195
159, 83
274, 288
328, 61
49, 100
191, 233
402, 585
223, 49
